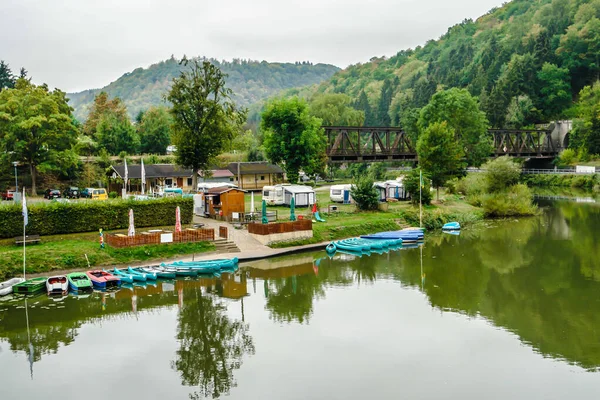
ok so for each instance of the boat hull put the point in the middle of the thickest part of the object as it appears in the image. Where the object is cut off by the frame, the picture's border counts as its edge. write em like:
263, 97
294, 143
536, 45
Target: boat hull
30, 286
79, 282
57, 285
6, 287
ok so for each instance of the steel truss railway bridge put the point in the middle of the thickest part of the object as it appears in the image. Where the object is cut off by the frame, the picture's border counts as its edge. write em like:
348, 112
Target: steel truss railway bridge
350, 144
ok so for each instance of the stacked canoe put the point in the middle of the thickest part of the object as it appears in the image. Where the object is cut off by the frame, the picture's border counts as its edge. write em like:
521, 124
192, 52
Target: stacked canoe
363, 246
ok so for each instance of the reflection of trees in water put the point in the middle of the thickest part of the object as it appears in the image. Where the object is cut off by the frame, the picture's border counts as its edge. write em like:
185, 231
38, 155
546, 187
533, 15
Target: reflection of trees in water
211, 346
364, 269
583, 221
291, 299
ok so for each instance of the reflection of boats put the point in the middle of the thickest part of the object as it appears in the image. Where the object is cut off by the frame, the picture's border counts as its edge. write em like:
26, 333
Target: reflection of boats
451, 226
103, 279
6, 287
78, 281
31, 286
455, 233
124, 276
57, 285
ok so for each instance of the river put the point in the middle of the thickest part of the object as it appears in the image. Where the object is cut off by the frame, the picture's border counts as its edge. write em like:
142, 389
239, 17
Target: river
508, 309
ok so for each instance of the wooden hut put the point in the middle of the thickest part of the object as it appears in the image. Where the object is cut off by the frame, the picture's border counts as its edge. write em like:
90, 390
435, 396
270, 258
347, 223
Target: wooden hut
223, 202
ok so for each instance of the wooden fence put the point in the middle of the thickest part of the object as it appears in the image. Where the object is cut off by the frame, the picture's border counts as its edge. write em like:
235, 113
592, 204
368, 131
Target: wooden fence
145, 238
281, 227
223, 232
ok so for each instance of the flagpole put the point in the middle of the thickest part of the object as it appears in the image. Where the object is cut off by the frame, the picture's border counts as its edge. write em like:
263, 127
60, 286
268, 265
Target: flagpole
24, 225
420, 197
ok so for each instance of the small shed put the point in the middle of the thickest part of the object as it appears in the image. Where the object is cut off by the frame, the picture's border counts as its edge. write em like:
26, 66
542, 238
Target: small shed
304, 196
224, 201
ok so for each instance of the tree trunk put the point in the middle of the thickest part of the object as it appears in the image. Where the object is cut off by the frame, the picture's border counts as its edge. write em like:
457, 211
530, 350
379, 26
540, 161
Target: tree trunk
195, 179
33, 172
438, 193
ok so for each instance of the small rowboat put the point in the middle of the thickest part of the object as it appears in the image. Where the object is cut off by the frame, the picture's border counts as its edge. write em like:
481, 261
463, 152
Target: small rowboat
103, 279
451, 226
57, 285
31, 286
163, 273
79, 281
330, 249
6, 287
151, 276
124, 276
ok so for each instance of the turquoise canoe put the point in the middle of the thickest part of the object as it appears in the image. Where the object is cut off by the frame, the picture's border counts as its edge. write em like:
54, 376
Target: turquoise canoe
123, 276
162, 273
151, 276
137, 277
451, 226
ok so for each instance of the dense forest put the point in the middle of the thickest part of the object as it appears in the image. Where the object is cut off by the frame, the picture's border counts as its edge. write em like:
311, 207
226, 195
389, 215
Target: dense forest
526, 62
250, 81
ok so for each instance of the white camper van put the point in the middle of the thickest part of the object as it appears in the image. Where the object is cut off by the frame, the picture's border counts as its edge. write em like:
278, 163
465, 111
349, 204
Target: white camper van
273, 195
340, 193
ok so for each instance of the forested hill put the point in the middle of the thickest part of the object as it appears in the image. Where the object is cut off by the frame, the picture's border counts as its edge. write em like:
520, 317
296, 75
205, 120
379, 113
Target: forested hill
526, 61
250, 81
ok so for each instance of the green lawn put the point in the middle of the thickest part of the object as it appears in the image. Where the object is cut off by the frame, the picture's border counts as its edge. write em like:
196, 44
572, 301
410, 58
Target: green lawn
63, 252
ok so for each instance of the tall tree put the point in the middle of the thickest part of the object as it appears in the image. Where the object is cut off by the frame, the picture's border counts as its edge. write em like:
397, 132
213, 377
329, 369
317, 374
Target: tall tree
383, 106
461, 112
334, 109
555, 90
363, 105
7, 79
154, 130
205, 119
36, 127
586, 127
440, 155
292, 136
117, 135
102, 107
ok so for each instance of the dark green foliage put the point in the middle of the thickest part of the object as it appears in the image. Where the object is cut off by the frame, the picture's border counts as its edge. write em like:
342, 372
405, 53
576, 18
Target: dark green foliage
251, 82
440, 154
377, 171
585, 136
7, 79
154, 129
293, 137
205, 119
335, 110
113, 195
412, 182
385, 100
362, 104
56, 218
364, 194
117, 135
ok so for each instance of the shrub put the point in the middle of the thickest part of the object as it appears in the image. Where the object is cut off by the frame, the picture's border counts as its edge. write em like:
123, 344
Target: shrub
364, 194
517, 200
501, 174
567, 158
55, 218
112, 195
472, 184
411, 183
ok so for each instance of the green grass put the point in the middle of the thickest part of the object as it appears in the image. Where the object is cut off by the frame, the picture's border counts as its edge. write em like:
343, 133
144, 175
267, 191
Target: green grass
64, 252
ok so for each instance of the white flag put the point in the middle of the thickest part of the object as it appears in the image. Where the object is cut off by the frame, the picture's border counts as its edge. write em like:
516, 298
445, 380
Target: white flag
143, 178
126, 177
25, 214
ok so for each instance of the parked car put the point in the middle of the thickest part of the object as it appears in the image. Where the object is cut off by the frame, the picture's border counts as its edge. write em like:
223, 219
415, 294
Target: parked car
99, 194
51, 194
8, 195
71, 193
86, 193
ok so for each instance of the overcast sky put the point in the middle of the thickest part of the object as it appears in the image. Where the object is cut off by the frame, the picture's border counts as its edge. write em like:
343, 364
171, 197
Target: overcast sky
83, 44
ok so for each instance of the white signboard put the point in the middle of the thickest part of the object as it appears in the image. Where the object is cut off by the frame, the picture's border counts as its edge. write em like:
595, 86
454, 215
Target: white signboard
585, 170
166, 238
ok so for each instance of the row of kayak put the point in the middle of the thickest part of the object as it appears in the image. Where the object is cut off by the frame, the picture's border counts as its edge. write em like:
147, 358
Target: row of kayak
362, 245
104, 279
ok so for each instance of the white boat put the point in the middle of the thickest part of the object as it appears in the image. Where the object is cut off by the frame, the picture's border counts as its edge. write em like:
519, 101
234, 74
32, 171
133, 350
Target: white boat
6, 287
57, 285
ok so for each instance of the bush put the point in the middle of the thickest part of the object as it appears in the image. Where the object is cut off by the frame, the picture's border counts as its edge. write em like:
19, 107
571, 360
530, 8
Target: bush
411, 183
567, 158
472, 184
56, 218
364, 194
517, 200
112, 195
501, 174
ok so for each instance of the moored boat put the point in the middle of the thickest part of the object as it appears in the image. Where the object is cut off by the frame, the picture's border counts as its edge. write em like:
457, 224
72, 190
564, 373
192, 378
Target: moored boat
138, 276
161, 272
103, 280
451, 226
6, 287
30, 286
58, 285
79, 281
330, 249
151, 276
124, 276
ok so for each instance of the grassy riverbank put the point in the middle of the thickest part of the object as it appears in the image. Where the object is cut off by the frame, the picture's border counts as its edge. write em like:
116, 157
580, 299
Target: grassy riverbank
587, 182
343, 225
64, 252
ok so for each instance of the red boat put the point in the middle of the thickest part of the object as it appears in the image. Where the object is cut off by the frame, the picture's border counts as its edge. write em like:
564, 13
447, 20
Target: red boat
103, 280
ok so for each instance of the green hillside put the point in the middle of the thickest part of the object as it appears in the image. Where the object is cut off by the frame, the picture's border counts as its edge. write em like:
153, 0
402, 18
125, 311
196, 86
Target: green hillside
526, 61
250, 81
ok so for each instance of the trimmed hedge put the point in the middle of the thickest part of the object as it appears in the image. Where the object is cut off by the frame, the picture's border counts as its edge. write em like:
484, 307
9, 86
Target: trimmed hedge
56, 218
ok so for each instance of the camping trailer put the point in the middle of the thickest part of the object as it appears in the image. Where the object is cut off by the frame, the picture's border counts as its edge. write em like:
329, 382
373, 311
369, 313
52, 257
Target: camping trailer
273, 195
304, 196
340, 194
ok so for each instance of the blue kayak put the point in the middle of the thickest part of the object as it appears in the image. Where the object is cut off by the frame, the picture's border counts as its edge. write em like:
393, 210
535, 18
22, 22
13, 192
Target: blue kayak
451, 226
406, 236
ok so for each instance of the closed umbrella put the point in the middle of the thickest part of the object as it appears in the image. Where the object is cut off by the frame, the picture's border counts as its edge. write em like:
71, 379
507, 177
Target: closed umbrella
314, 210
292, 209
264, 212
131, 231
177, 219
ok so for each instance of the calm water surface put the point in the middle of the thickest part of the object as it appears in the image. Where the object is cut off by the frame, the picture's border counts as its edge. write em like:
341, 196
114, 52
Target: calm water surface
508, 309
